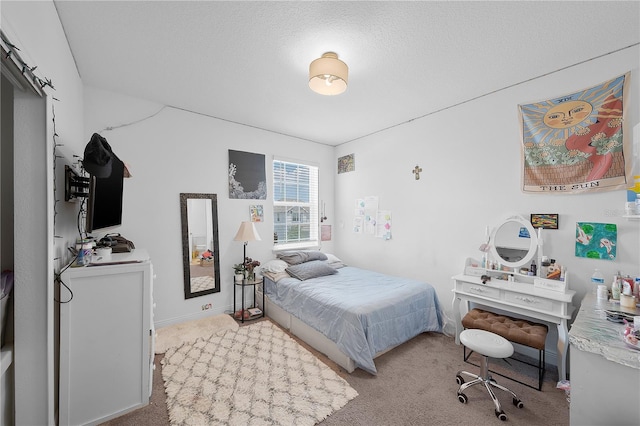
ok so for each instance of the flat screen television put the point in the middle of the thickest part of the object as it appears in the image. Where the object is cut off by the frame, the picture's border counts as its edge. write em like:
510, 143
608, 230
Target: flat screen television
104, 205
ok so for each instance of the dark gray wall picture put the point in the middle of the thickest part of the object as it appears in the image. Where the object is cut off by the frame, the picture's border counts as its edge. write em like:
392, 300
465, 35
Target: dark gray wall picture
247, 177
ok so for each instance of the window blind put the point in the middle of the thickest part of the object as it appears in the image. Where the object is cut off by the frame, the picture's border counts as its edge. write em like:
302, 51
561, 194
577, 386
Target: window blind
295, 205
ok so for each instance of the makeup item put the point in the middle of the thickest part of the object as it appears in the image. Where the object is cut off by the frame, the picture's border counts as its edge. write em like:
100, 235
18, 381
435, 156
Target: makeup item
615, 288
603, 292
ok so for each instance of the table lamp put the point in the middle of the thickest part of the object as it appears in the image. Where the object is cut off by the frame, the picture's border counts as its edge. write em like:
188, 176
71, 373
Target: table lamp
246, 233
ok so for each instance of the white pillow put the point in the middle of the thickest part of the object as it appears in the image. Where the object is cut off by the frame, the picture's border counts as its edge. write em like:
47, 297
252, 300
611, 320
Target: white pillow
275, 266
332, 258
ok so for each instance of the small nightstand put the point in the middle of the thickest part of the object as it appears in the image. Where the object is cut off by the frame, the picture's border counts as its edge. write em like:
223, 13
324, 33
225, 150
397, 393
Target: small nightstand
242, 285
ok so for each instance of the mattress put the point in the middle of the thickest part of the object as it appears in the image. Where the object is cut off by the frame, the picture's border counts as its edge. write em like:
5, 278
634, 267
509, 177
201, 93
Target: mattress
362, 311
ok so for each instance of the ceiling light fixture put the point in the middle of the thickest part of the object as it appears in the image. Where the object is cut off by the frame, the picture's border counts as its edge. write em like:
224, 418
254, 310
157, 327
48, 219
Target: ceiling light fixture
328, 75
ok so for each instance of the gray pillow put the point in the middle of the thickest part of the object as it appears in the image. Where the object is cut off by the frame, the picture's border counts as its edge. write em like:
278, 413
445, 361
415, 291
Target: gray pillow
295, 257
312, 269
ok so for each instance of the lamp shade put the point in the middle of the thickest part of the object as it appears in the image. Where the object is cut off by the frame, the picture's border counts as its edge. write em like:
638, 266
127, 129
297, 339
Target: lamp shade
247, 232
328, 75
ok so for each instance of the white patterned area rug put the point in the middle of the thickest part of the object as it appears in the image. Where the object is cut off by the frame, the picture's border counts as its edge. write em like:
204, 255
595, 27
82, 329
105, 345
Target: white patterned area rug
255, 375
190, 331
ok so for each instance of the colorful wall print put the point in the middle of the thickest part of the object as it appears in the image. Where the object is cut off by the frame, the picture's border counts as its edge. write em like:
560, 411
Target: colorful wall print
576, 142
383, 225
596, 240
247, 176
257, 213
347, 163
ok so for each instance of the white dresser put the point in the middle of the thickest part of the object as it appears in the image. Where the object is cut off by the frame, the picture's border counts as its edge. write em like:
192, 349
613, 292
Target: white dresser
519, 298
106, 338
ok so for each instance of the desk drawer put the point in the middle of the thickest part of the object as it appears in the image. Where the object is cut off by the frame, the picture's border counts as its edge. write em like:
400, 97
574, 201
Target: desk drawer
530, 301
481, 290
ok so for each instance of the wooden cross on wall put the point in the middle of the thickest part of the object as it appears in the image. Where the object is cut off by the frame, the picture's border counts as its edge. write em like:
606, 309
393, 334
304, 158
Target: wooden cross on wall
416, 172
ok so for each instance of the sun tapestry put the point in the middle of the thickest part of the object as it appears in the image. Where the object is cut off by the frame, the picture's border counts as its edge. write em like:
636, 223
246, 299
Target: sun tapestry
576, 143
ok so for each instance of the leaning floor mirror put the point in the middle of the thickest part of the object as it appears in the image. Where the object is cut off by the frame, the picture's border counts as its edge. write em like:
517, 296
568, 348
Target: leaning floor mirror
200, 252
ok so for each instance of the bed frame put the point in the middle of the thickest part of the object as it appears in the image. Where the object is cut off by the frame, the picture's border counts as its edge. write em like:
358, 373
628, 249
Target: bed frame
309, 335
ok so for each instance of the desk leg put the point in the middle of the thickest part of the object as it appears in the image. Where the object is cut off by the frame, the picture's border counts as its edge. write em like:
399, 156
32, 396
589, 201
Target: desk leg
562, 349
457, 318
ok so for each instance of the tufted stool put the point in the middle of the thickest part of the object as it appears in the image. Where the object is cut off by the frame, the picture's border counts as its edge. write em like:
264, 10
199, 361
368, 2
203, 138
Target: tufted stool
515, 330
488, 345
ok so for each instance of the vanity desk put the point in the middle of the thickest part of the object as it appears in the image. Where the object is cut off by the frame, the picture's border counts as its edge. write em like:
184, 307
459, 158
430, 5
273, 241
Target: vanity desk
517, 298
514, 244
605, 379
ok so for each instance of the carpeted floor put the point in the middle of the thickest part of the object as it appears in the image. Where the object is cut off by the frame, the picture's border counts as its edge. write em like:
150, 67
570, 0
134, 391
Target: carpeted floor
415, 385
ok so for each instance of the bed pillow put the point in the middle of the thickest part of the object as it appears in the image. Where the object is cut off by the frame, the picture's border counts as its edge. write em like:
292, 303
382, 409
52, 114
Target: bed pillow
275, 266
275, 276
334, 261
312, 269
332, 258
296, 257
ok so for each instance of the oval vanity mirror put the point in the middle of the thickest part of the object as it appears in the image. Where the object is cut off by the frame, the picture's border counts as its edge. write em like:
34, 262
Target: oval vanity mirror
514, 242
199, 213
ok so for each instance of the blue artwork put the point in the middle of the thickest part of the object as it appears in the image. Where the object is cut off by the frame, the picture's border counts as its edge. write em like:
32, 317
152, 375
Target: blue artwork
596, 240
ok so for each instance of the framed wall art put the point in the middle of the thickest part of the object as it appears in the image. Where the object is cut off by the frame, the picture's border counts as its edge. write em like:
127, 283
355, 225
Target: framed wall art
544, 220
247, 176
347, 163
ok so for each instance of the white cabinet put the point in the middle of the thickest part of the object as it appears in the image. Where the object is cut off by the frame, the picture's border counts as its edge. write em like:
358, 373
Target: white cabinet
106, 339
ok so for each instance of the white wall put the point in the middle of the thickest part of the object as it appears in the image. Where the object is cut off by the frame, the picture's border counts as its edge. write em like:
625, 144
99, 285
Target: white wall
470, 156
176, 151
35, 29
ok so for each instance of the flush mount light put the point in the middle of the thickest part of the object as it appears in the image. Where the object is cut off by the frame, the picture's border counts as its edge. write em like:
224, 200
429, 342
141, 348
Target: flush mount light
328, 75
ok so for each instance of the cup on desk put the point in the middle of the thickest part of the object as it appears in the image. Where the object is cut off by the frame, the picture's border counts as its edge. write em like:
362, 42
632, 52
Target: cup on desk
603, 292
627, 301
104, 253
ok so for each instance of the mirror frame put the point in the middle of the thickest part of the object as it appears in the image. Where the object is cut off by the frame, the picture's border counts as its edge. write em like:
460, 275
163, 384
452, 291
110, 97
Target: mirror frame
533, 243
186, 251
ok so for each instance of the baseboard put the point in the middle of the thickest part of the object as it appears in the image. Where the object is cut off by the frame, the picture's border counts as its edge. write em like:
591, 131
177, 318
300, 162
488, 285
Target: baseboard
193, 316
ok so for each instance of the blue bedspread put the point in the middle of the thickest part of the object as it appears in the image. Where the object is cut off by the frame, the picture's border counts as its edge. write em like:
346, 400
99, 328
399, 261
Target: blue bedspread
362, 311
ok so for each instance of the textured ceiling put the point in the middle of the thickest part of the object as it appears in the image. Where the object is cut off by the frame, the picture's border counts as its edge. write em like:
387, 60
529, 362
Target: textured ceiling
248, 62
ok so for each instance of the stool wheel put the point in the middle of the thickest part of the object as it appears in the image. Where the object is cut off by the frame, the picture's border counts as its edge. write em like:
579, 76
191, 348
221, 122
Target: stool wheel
462, 398
518, 403
501, 415
459, 380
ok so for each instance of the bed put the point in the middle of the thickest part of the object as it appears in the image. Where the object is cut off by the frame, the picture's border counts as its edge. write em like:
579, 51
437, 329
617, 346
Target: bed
350, 314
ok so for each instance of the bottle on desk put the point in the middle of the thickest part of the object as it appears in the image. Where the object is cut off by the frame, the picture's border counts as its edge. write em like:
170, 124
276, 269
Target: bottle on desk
616, 287
596, 279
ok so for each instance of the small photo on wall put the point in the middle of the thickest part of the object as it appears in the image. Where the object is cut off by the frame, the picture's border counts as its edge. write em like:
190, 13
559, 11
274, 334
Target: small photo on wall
257, 213
347, 163
325, 233
544, 220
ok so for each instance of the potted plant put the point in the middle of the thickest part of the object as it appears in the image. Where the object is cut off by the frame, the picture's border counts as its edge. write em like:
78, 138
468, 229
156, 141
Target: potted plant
238, 270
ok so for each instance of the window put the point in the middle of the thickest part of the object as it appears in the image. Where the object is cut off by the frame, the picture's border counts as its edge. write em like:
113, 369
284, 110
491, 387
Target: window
295, 205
